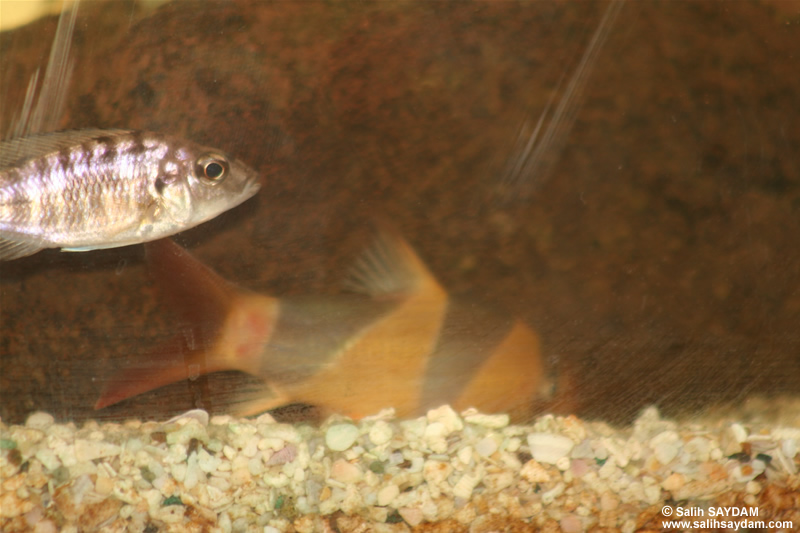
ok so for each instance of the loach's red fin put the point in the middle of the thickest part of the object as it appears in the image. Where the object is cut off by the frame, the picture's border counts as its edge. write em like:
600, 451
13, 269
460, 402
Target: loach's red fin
229, 327
160, 367
193, 289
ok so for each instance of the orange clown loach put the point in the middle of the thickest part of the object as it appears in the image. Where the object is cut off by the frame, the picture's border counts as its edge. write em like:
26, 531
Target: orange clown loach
399, 340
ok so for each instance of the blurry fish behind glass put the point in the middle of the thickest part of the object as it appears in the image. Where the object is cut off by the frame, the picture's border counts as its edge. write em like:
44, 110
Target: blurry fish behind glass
399, 341
91, 189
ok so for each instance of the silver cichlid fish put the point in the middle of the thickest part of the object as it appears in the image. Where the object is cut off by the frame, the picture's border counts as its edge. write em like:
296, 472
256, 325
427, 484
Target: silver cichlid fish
91, 189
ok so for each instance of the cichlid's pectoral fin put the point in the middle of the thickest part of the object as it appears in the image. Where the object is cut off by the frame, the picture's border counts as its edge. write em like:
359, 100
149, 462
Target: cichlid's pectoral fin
391, 267
10, 249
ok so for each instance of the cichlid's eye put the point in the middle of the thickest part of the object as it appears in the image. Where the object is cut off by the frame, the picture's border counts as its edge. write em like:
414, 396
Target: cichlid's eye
212, 168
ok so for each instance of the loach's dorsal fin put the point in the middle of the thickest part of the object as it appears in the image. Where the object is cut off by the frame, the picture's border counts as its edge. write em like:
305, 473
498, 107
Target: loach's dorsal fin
390, 267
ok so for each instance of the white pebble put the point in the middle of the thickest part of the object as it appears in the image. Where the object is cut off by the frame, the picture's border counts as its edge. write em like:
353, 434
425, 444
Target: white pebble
652, 494
447, 417
738, 432
171, 514
265, 418
435, 435
571, 524
89, 450
753, 487
673, 482
40, 420
487, 421
251, 448
665, 446
48, 459
550, 496
563, 463
255, 466
464, 487
207, 462
465, 455
220, 420
193, 473
513, 444
380, 433
486, 446
412, 515
387, 494
435, 472
549, 448
608, 502
198, 415
534, 472
790, 448
345, 472
699, 449
340, 437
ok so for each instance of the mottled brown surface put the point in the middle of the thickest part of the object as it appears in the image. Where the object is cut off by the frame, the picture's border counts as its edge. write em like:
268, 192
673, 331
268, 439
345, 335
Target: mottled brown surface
660, 261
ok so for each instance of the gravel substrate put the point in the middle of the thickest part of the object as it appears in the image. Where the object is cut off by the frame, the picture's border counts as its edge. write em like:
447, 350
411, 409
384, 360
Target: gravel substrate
442, 472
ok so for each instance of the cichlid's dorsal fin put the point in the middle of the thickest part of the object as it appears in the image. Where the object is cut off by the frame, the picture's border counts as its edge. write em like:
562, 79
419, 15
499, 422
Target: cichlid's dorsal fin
16, 150
49, 106
390, 267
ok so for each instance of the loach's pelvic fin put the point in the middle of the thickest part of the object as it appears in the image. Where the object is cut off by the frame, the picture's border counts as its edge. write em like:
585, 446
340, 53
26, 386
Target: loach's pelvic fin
252, 398
391, 267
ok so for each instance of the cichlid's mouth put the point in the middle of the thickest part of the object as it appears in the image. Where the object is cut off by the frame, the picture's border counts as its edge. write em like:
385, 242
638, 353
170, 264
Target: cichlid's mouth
252, 186
252, 183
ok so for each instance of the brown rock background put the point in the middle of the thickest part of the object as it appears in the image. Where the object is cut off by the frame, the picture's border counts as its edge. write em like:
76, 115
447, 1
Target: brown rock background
660, 260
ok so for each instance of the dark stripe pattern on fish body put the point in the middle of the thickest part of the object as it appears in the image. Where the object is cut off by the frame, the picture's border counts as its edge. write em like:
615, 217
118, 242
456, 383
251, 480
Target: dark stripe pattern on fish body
90, 189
